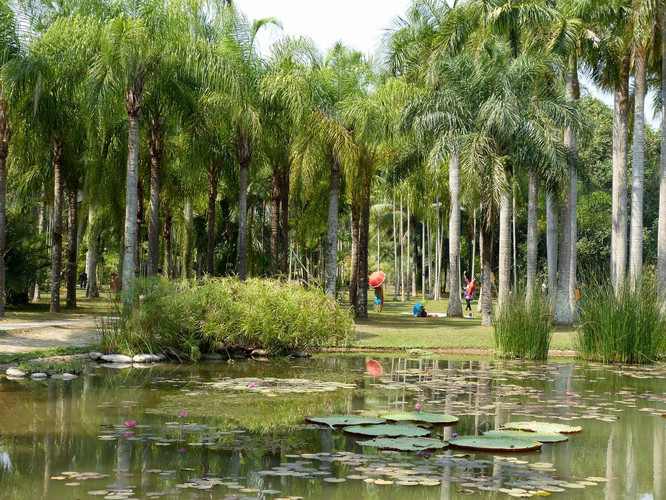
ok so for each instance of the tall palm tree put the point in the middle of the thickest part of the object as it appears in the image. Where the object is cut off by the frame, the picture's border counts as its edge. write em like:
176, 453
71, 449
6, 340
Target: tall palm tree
9, 49
661, 243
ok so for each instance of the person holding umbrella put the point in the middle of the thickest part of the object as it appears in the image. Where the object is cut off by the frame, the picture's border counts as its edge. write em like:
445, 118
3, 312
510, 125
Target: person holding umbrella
377, 281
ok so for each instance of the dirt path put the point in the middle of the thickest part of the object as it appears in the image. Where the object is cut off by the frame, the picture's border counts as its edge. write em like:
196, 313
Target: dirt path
26, 336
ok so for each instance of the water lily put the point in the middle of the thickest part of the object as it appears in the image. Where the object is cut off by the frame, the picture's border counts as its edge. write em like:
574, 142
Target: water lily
180, 450
417, 406
129, 434
454, 435
571, 393
130, 423
182, 415
252, 384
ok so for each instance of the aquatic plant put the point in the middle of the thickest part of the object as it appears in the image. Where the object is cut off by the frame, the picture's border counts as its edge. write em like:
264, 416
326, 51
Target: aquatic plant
184, 319
523, 328
626, 327
53, 367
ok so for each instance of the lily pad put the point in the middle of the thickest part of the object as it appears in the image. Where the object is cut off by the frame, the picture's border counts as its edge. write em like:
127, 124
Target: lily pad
543, 427
414, 416
542, 437
344, 420
484, 443
405, 444
387, 430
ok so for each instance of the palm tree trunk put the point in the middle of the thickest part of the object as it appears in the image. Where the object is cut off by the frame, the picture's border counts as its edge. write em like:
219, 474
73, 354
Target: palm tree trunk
438, 254
513, 233
284, 224
188, 240
395, 254
430, 276
415, 258
353, 268
473, 244
563, 313
620, 156
504, 250
332, 230
166, 234
244, 155
481, 257
56, 256
455, 306
661, 237
423, 260
552, 233
408, 265
637, 173
573, 204
485, 297
72, 248
41, 229
156, 136
131, 200
532, 220
5, 134
402, 256
364, 239
210, 221
93, 248
275, 223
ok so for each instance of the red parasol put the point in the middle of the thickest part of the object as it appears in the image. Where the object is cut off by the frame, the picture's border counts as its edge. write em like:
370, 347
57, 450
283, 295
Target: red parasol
377, 278
374, 368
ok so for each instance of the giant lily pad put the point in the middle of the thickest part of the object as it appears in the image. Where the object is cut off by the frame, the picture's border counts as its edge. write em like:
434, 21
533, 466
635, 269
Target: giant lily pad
543, 427
484, 443
387, 430
417, 416
405, 444
542, 437
344, 420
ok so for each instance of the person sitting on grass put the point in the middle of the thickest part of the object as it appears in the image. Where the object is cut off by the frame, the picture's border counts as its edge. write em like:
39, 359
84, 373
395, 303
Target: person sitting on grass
419, 310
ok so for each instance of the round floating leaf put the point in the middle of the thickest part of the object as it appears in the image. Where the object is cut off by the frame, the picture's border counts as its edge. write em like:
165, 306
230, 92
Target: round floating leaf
542, 427
344, 420
414, 416
484, 443
542, 437
405, 444
387, 430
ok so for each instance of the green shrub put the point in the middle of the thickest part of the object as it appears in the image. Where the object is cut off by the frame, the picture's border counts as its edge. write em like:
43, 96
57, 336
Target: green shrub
185, 318
74, 367
522, 329
627, 328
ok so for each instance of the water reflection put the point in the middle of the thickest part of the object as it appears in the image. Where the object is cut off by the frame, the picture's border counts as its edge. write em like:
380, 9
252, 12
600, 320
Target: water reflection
50, 428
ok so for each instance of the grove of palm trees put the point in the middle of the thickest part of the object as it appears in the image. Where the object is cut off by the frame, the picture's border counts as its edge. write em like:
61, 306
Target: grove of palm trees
155, 138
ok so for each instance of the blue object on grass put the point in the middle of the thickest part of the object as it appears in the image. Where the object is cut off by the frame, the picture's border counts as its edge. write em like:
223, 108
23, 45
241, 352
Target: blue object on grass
417, 309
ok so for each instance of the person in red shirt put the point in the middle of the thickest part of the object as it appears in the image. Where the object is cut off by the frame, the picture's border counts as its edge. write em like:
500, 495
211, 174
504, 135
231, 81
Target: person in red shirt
470, 289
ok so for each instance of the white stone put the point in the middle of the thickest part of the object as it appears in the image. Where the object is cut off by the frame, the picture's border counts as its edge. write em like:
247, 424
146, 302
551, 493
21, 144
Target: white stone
95, 355
39, 376
116, 358
15, 372
116, 366
212, 356
146, 358
64, 376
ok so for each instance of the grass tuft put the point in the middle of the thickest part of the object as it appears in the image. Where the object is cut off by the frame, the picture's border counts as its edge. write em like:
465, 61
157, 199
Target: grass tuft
623, 328
74, 367
524, 329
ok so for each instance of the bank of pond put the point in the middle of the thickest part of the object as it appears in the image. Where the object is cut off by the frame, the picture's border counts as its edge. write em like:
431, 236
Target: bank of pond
325, 427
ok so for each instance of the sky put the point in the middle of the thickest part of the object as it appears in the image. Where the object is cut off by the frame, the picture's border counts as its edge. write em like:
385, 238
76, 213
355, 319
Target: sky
358, 23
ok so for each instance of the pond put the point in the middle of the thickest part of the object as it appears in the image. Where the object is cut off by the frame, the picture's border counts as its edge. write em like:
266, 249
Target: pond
231, 431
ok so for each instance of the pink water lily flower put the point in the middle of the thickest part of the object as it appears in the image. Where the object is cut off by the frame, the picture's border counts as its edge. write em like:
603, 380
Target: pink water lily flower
180, 450
417, 406
571, 394
129, 434
252, 384
130, 423
182, 415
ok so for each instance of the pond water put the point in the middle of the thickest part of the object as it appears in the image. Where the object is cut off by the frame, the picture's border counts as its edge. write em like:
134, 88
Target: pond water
118, 434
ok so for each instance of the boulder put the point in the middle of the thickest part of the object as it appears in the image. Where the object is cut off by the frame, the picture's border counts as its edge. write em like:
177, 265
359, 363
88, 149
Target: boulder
95, 355
116, 358
147, 358
64, 376
15, 372
260, 353
39, 376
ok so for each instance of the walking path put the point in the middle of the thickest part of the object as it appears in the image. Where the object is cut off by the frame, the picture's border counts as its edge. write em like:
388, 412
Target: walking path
26, 336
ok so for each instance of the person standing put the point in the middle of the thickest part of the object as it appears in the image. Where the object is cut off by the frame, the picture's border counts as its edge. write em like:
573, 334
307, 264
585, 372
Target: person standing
470, 289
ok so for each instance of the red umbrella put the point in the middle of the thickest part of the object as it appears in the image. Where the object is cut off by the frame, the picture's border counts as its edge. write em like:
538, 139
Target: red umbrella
374, 368
377, 278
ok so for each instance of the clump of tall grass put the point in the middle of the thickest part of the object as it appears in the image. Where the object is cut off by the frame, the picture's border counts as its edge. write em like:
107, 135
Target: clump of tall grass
523, 328
186, 318
626, 327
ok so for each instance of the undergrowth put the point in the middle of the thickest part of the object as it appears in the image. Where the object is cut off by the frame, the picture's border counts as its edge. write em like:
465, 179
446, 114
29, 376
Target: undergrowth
626, 327
186, 318
523, 329
74, 367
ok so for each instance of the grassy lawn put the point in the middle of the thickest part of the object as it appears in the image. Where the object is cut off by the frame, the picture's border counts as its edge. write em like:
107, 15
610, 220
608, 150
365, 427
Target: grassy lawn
40, 312
391, 329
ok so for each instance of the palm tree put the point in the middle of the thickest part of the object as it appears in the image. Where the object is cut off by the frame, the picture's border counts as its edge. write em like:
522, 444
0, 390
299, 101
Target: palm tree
661, 243
9, 49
